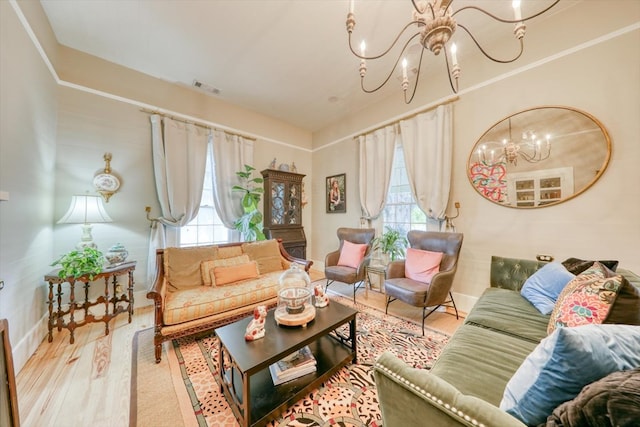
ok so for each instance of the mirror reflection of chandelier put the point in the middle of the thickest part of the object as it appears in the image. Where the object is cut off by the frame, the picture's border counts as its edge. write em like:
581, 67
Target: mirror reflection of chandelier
436, 24
531, 148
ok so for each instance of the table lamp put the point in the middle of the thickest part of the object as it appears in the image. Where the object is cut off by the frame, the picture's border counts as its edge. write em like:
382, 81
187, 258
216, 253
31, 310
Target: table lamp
85, 209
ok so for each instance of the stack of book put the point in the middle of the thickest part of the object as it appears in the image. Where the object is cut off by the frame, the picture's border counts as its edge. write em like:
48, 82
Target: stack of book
293, 366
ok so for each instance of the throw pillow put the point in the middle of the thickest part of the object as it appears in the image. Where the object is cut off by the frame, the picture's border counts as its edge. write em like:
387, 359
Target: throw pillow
563, 363
586, 299
266, 253
352, 254
543, 287
235, 273
206, 267
626, 308
182, 265
422, 265
577, 266
612, 401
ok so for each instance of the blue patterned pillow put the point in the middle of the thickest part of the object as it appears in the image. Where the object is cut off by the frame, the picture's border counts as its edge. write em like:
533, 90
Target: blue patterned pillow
566, 361
543, 287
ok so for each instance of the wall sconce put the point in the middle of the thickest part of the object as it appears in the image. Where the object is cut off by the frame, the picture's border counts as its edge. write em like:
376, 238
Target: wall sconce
450, 227
106, 183
85, 209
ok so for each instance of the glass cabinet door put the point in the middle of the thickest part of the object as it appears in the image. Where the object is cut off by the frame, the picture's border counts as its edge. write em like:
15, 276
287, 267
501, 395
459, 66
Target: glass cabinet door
277, 203
293, 212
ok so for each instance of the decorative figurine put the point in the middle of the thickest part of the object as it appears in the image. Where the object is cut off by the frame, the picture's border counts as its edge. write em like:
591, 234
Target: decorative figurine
322, 300
255, 329
272, 165
293, 167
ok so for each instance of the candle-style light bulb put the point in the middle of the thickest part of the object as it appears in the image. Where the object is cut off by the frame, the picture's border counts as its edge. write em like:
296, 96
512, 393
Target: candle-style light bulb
454, 57
351, 6
516, 10
363, 62
404, 68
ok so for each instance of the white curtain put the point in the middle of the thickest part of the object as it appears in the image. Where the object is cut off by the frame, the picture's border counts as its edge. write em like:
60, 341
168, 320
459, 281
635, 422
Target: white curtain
428, 146
230, 154
179, 159
376, 163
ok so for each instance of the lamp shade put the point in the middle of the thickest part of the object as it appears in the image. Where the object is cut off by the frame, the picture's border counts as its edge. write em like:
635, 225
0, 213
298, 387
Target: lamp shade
85, 209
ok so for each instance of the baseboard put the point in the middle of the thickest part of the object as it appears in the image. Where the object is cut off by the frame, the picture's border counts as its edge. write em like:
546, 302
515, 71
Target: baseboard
24, 349
464, 303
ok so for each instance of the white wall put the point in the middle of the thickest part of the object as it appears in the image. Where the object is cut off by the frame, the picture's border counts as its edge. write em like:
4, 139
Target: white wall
27, 155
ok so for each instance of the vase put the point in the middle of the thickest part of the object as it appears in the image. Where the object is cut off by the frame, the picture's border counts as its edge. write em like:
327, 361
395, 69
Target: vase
117, 254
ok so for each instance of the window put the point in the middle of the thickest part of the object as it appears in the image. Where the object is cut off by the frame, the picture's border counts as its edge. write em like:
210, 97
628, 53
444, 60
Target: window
401, 211
206, 228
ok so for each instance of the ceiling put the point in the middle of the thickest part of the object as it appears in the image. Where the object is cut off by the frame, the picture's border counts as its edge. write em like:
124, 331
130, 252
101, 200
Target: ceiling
287, 59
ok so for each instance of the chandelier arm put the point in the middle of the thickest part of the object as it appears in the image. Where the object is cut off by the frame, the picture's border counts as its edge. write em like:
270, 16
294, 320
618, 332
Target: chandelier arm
536, 157
446, 60
392, 68
485, 53
507, 21
417, 8
415, 86
389, 48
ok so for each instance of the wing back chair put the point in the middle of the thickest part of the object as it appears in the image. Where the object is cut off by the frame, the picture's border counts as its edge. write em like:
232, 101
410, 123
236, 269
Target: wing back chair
431, 294
352, 275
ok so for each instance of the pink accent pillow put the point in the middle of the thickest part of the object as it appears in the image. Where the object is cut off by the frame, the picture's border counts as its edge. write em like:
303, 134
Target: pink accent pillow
422, 265
235, 273
351, 254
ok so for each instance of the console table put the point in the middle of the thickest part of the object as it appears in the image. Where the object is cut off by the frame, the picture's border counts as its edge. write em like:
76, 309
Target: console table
64, 315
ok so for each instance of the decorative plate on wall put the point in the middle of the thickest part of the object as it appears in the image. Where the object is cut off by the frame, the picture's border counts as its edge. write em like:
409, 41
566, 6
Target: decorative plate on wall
106, 183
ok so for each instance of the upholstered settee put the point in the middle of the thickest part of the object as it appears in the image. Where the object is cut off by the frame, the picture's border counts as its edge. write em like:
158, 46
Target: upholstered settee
203, 287
466, 385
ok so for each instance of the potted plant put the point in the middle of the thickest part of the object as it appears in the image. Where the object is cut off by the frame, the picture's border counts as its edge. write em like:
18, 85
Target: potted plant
87, 261
250, 223
391, 243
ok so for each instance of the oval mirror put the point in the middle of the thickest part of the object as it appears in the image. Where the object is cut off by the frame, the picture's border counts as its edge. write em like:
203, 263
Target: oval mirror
539, 157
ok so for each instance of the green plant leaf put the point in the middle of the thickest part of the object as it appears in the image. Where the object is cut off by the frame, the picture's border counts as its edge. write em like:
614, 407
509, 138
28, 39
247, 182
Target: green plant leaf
77, 263
250, 223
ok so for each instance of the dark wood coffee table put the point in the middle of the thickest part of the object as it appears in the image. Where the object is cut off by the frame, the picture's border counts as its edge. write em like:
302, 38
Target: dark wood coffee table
243, 369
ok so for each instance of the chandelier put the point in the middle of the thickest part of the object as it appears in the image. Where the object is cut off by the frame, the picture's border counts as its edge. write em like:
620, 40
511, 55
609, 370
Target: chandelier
531, 148
435, 23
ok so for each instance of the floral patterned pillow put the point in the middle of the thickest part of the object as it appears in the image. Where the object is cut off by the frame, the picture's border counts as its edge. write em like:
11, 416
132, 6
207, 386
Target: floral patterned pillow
586, 299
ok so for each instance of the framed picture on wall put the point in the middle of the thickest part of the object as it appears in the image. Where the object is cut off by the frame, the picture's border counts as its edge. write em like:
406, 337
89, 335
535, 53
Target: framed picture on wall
336, 193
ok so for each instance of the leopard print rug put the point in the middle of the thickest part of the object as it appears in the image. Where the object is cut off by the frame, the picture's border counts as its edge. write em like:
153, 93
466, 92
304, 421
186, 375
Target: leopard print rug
348, 399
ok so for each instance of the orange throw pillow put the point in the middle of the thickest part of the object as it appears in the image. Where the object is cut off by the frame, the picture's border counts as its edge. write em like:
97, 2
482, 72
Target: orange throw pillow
422, 265
351, 254
235, 273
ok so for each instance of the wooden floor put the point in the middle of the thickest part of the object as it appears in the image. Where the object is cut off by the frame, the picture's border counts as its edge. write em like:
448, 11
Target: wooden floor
88, 383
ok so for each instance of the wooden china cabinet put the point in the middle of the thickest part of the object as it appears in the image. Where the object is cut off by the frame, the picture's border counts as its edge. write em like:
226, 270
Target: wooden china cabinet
283, 210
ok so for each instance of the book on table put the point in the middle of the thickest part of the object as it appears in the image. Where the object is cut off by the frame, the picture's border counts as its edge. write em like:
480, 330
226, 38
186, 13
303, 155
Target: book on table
297, 364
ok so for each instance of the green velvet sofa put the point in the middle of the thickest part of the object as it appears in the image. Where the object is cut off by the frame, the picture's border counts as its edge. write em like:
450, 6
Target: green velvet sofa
467, 382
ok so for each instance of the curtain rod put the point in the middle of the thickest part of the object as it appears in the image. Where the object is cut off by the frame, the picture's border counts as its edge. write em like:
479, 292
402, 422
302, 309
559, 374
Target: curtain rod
408, 116
193, 122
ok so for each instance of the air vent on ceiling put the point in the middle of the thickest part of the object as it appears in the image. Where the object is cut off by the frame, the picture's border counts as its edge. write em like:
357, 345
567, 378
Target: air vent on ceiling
205, 87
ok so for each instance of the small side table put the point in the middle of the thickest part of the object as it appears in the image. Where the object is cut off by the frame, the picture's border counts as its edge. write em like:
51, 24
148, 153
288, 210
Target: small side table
379, 270
113, 304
